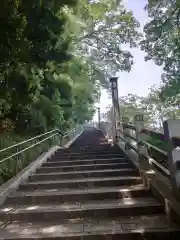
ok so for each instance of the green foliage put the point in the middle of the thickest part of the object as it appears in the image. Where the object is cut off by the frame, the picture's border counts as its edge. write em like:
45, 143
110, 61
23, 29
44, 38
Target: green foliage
58, 53
55, 56
155, 141
130, 106
153, 107
162, 44
39, 75
104, 26
11, 167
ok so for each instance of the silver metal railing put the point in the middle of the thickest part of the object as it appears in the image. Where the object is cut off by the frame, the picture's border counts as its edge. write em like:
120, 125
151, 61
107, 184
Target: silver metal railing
15, 157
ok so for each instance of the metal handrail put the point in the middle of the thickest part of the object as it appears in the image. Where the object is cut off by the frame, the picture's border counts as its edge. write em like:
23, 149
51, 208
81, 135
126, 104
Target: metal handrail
133, 147
155, 148
28, 140
71, 131
130, 136
166, 171
23, 150
33, 145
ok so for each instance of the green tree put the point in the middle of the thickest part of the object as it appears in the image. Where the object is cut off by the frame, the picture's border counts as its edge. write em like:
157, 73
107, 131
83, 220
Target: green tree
162, 44
55, 56
67, 49
103, 27
154, 108
130, 106
27, 79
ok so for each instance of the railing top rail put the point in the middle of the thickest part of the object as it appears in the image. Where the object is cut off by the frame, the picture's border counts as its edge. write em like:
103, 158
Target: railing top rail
156, 148
28, 140
166, 171
147, 129
54, 133
23, 150
38, 136
69, 132
129, 126
151, 160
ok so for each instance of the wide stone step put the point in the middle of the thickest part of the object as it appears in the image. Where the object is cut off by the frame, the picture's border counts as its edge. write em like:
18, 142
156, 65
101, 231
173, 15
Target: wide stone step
90, 148
84, 162
81, 183
126, 228
76, 195
88, 152
83, 174
83, 156
83, 167
93, 209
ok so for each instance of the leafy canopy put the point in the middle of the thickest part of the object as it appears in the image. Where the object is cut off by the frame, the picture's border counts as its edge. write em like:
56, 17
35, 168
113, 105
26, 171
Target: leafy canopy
104, 28
162, 44
55, 56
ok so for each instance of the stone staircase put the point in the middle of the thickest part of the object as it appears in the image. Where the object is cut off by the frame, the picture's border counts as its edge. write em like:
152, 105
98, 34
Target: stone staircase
89, 191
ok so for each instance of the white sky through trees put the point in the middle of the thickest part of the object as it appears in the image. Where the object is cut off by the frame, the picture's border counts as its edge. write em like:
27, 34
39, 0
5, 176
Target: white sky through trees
143, 74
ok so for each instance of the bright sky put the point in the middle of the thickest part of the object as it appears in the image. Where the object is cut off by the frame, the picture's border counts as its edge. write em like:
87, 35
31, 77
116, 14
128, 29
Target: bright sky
143, 74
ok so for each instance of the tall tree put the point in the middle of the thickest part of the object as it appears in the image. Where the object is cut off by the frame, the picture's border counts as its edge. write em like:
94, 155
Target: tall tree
26, 71
153, 107
130, 106
61, 52
162, 43
103, 27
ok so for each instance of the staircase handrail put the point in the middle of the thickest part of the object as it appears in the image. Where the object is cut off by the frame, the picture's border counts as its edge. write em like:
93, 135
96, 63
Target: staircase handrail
28, 140
54, 132
155, 155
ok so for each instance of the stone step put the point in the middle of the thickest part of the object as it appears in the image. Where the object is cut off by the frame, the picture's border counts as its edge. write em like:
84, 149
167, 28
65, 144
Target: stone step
88, 145
98, 153
84, 162
83, 156
92, 149
81, 183
83, 167
89, 152
126, 228
83, 174
92, 209
76, 195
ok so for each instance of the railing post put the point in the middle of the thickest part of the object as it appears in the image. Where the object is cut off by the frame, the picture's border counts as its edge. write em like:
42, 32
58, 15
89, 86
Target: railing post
119, 129
99, 118
109, 130
172, 130
125, 121
139, 124
141, 149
